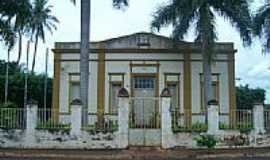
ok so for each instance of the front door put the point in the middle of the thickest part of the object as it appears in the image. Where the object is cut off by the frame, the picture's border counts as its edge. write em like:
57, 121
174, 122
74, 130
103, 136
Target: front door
144, 115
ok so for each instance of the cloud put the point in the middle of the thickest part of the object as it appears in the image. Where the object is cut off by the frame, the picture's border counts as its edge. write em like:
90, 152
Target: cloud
260, 70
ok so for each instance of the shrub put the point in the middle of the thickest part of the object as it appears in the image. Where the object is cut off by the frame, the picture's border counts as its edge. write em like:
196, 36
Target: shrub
8, 105
223, 126
208, 141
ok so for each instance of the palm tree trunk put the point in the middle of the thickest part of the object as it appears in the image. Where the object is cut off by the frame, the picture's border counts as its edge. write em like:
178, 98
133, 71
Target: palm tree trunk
207, 77
34, 55
84, 57
26, 75
7, 75
19, 48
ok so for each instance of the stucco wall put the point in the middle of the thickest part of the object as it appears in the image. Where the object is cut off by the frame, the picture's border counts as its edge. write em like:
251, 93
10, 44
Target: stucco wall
120, 63
58, 139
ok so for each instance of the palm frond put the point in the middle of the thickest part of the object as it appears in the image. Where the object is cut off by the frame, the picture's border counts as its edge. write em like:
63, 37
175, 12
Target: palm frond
238, 13
120, 3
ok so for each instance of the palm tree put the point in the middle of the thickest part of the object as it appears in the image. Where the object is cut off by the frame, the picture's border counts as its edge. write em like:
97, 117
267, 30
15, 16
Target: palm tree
183, 13
262, 25
84, 53
6, 14
22, 22
9, 42
41, 20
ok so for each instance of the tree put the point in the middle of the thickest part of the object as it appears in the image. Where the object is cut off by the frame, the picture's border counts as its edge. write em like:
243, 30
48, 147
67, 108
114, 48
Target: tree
41, 20
246, 96
9, 42
84, 53
22, 22
261, 25
16, 85
183, 13
6, 14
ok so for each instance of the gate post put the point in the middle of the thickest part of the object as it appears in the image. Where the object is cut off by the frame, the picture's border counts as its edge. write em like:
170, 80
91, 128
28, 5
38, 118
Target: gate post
31, 116
123, 118
213, 117
76, 114
258, 118
31, 122
166, 120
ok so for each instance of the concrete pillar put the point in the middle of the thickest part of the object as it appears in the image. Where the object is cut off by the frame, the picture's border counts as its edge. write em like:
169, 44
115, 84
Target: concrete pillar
167, 139
213, 117
76, 115
31, 116
258, 118
123, 118
31, 123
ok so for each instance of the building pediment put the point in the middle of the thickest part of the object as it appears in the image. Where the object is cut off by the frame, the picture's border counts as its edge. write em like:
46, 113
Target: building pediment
141, 40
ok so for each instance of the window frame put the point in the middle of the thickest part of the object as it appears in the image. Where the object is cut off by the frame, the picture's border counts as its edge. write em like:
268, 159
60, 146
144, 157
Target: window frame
177, 82
121, 82
217, 83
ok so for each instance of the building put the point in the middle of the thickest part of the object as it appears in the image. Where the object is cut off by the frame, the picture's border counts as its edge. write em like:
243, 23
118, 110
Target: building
144, 63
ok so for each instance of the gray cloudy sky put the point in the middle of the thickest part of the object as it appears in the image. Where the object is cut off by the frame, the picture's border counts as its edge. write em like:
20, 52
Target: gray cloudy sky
251, 66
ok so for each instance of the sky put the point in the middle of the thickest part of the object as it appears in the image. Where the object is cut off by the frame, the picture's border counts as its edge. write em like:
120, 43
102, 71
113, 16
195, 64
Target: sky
252, 67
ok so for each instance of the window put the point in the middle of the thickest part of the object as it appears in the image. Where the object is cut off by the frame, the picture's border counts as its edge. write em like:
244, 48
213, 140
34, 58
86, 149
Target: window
115, 87
74, 92
172, 82
144, 82
215, 90
174, 89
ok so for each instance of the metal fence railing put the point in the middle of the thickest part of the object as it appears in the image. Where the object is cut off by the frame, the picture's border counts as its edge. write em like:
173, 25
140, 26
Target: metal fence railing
46, 120
107, 122
243, 120
12, 118
180, 122
267, 119
144, 113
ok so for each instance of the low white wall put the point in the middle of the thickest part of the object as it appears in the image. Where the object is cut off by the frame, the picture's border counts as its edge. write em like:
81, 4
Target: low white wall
59, 140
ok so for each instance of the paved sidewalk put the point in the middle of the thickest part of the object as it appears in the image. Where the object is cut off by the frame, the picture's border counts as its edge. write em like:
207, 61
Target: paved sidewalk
136, 153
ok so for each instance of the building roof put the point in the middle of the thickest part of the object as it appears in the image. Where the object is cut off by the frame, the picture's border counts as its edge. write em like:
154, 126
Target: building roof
141, 40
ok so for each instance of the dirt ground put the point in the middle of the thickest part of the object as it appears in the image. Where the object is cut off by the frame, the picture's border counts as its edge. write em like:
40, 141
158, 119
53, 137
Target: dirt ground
137, 154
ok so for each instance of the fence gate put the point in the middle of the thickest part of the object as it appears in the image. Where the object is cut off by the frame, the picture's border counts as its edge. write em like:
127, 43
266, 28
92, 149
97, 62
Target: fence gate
144, 122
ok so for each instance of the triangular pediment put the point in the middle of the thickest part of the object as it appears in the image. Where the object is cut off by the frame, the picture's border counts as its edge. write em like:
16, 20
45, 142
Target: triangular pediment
140, 40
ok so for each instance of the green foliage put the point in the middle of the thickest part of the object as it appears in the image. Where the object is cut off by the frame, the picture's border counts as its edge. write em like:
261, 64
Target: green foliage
246, 97
195, 127
208, 141
109, 126
8, 105
53, 125
261, 25
16, 86
182, 14
223, 126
